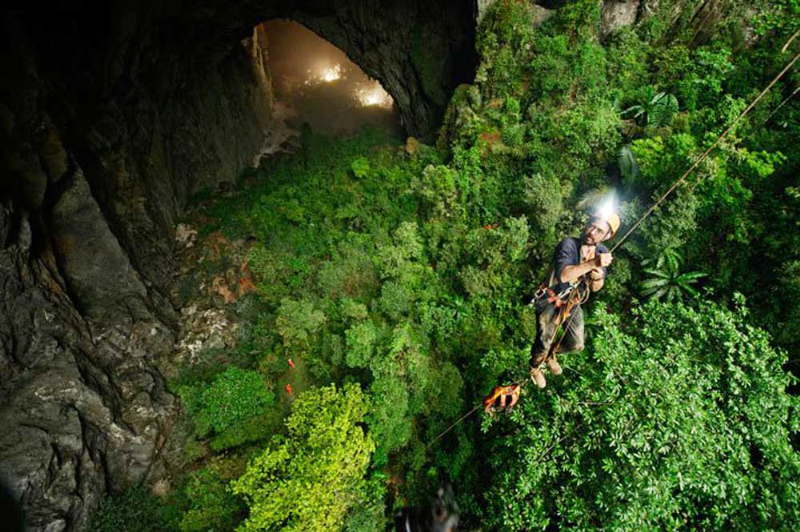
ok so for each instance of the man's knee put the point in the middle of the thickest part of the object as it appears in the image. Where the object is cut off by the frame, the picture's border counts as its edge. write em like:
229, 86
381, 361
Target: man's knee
572, 347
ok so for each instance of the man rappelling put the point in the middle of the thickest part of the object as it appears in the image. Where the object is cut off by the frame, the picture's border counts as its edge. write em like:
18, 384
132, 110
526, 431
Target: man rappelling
579, 268
578, 264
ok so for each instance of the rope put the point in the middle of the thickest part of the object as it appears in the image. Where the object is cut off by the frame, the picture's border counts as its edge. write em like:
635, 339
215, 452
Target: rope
784, 102
453, 425
706, 153
648, 213
522, 383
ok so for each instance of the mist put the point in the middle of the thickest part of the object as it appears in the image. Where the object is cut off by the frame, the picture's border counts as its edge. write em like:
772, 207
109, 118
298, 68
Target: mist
316, 83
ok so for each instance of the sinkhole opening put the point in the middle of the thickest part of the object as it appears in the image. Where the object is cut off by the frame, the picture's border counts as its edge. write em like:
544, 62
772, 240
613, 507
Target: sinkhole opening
314, 82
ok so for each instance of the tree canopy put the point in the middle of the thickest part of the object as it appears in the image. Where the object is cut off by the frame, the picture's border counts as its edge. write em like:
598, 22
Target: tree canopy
309, 479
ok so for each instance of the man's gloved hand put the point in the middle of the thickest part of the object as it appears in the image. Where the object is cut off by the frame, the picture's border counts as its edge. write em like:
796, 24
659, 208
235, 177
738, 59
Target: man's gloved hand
502, 397
596, 275
603, 260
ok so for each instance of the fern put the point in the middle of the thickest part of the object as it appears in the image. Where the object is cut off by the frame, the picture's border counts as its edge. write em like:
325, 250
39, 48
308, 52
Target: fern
666, 279
657, 110
663, 108
628, 166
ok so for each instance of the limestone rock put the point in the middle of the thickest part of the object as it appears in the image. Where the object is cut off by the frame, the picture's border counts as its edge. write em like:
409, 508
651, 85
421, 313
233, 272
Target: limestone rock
86, 251
83, 410
617, 14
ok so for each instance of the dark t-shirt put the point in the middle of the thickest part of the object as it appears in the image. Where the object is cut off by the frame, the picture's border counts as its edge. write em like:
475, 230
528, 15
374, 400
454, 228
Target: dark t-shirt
568, 253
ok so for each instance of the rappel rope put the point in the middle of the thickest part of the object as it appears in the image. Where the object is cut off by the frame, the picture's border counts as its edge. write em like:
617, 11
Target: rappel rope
706, 153
453, 425
649, 211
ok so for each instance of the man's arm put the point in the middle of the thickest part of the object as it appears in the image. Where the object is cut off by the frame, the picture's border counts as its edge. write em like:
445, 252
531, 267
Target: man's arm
574, 272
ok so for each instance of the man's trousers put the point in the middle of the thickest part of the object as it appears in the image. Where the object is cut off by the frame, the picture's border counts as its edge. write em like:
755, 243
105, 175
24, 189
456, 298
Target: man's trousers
546, 324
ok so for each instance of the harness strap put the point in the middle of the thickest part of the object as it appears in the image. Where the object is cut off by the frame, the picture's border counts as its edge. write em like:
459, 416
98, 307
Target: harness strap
554, 298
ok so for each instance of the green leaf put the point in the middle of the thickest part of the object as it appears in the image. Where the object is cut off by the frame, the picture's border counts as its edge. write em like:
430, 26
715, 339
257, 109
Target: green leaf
360, 167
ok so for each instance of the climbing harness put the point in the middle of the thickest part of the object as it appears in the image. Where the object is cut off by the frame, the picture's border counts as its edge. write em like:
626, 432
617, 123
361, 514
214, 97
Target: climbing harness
544, 292
512, 391
578, 293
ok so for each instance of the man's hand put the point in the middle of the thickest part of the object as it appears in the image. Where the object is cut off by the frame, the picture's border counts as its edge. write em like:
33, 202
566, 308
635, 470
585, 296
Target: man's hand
603, 260
597, 275
572, 273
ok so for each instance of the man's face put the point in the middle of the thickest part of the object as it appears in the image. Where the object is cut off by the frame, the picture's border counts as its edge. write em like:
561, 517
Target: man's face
595, 232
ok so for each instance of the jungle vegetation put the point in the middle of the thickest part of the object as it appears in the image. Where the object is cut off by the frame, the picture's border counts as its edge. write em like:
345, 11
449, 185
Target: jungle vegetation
395, 278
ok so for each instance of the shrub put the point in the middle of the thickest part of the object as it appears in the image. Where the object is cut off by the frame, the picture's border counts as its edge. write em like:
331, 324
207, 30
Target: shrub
298, 322
134, 510
211, 505
236, 408
360, 167
311, 479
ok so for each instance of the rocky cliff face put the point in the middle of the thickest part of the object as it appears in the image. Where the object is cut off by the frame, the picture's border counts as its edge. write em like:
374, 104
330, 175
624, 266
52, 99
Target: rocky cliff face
111, 116
93, 177
83, 411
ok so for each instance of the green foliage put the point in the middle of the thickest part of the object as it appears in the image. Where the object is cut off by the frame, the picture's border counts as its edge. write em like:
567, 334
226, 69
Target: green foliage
134, 510
211, 505
437, 187
790, 324
369, 513
506, 27
544, 200
666, 280
680, 419
656, 110
404, 273
702, 76
350, 272
236, 408
360, 167
659, 158
285, 271
312, 478
297, 322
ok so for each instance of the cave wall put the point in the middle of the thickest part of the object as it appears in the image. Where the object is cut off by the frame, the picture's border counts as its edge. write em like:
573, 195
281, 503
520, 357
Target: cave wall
111, 116
96, 164
419, 50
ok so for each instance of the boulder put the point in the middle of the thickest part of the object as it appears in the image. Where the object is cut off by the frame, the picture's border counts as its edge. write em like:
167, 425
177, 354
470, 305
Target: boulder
617, 14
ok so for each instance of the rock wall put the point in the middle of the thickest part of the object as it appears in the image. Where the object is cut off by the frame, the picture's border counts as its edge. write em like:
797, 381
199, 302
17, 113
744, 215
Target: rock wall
98, 156
83, 410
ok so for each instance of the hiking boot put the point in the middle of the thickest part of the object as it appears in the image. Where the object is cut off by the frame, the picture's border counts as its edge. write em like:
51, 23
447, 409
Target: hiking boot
538, 377
554, 366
